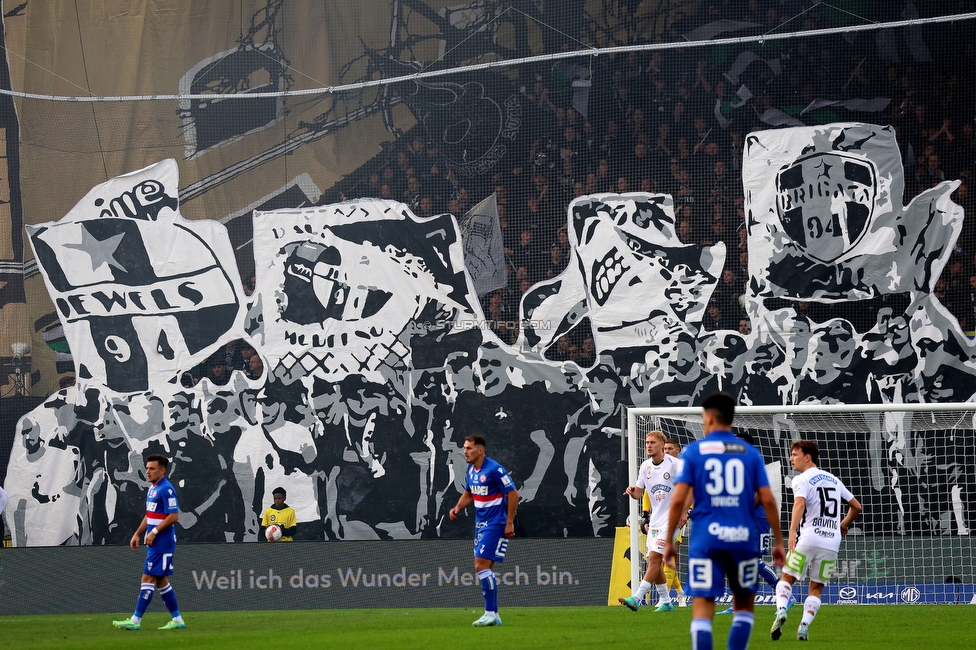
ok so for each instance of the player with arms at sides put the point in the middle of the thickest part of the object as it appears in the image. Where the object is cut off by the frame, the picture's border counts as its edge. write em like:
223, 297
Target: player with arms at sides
656, 477
488, 485
765, 540
162, 513
816, 530
722, 473
672, 575
281, 514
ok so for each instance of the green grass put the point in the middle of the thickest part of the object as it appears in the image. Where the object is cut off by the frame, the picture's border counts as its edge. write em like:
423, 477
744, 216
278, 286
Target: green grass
861, 627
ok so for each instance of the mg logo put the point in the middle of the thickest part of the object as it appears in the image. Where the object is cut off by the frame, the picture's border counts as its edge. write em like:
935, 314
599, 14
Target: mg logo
910, 594
825, 202
847, 593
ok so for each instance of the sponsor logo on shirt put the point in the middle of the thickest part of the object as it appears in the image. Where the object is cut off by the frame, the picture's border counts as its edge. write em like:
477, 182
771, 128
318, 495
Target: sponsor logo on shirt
172, 502
506, 480
822, 477
480, 490
729, 533
151, 506
711, 447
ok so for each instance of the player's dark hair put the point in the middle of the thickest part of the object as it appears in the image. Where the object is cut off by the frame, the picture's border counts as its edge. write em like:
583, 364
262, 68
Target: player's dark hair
808, 447
281, 491
159, 458
722, 406
476, 439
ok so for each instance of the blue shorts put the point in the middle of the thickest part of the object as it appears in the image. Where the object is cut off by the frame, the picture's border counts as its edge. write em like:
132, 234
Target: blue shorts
490, 543
765, 538
708, 570
158, 563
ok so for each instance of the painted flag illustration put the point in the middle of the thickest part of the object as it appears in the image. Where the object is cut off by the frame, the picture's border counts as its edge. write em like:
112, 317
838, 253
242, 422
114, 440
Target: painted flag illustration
826, 219
138, 299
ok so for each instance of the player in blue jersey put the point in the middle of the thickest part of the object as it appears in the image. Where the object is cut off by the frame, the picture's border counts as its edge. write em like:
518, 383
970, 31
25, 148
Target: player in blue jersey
722, 474
495, 499
162, 513
766, 572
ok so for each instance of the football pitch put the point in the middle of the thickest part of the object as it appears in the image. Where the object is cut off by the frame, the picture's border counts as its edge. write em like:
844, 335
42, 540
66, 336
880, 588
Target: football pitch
861, 627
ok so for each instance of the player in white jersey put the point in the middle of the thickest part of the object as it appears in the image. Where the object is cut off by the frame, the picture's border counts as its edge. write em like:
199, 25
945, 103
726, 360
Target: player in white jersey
816, 529
656, 475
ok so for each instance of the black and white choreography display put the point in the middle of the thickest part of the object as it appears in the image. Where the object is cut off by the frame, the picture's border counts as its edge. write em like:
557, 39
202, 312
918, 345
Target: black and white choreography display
378, 364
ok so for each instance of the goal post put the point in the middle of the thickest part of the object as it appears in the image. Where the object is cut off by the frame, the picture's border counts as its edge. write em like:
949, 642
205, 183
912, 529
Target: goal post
912, 467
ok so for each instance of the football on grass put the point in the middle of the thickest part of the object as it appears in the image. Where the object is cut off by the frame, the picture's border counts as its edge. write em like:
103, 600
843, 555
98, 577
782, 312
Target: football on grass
273, 532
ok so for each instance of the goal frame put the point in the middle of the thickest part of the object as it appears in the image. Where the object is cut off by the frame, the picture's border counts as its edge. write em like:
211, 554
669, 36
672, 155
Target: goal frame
632, 413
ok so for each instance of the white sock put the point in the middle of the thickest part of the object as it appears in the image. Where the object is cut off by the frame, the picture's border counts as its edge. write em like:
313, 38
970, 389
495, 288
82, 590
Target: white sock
662, 591
810, 608
178, 619
645, 587
783, 592
135, 619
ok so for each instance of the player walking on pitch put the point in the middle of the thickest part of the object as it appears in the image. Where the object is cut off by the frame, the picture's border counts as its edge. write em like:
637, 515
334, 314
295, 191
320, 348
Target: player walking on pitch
488, 485
656, 475
722, 473
162, 512
816, 530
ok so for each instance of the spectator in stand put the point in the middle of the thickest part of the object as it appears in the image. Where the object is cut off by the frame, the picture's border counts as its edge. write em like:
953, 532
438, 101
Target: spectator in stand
557, 263
592, 184
588, 349
255, 367
686, 231
604, 181
426, 207
218, 370
716, 319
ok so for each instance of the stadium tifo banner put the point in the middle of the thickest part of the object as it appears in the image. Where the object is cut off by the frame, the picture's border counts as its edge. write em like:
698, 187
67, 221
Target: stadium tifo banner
377, 359
141, 291
307, 575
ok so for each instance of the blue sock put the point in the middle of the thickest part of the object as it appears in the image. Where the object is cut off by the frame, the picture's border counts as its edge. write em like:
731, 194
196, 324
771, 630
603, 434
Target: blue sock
489, 589
169, 599
768, 574
701, 634
145, 597
741, 630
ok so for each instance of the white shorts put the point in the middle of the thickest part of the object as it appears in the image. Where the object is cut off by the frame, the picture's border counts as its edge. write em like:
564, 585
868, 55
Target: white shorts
657, 540
819, 563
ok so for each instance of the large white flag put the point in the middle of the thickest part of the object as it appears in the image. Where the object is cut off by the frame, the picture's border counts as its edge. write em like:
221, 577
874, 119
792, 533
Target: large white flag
874, 105
484, 251
826, 220
142, 293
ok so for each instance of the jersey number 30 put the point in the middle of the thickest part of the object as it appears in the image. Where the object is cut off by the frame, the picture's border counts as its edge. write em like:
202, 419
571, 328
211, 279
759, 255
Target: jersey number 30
725, 478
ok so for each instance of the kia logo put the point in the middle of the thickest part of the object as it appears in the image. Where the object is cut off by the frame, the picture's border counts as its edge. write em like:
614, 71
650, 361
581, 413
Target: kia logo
847, 593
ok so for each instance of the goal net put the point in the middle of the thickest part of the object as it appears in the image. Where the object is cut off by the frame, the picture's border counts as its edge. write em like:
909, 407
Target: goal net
912, 467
